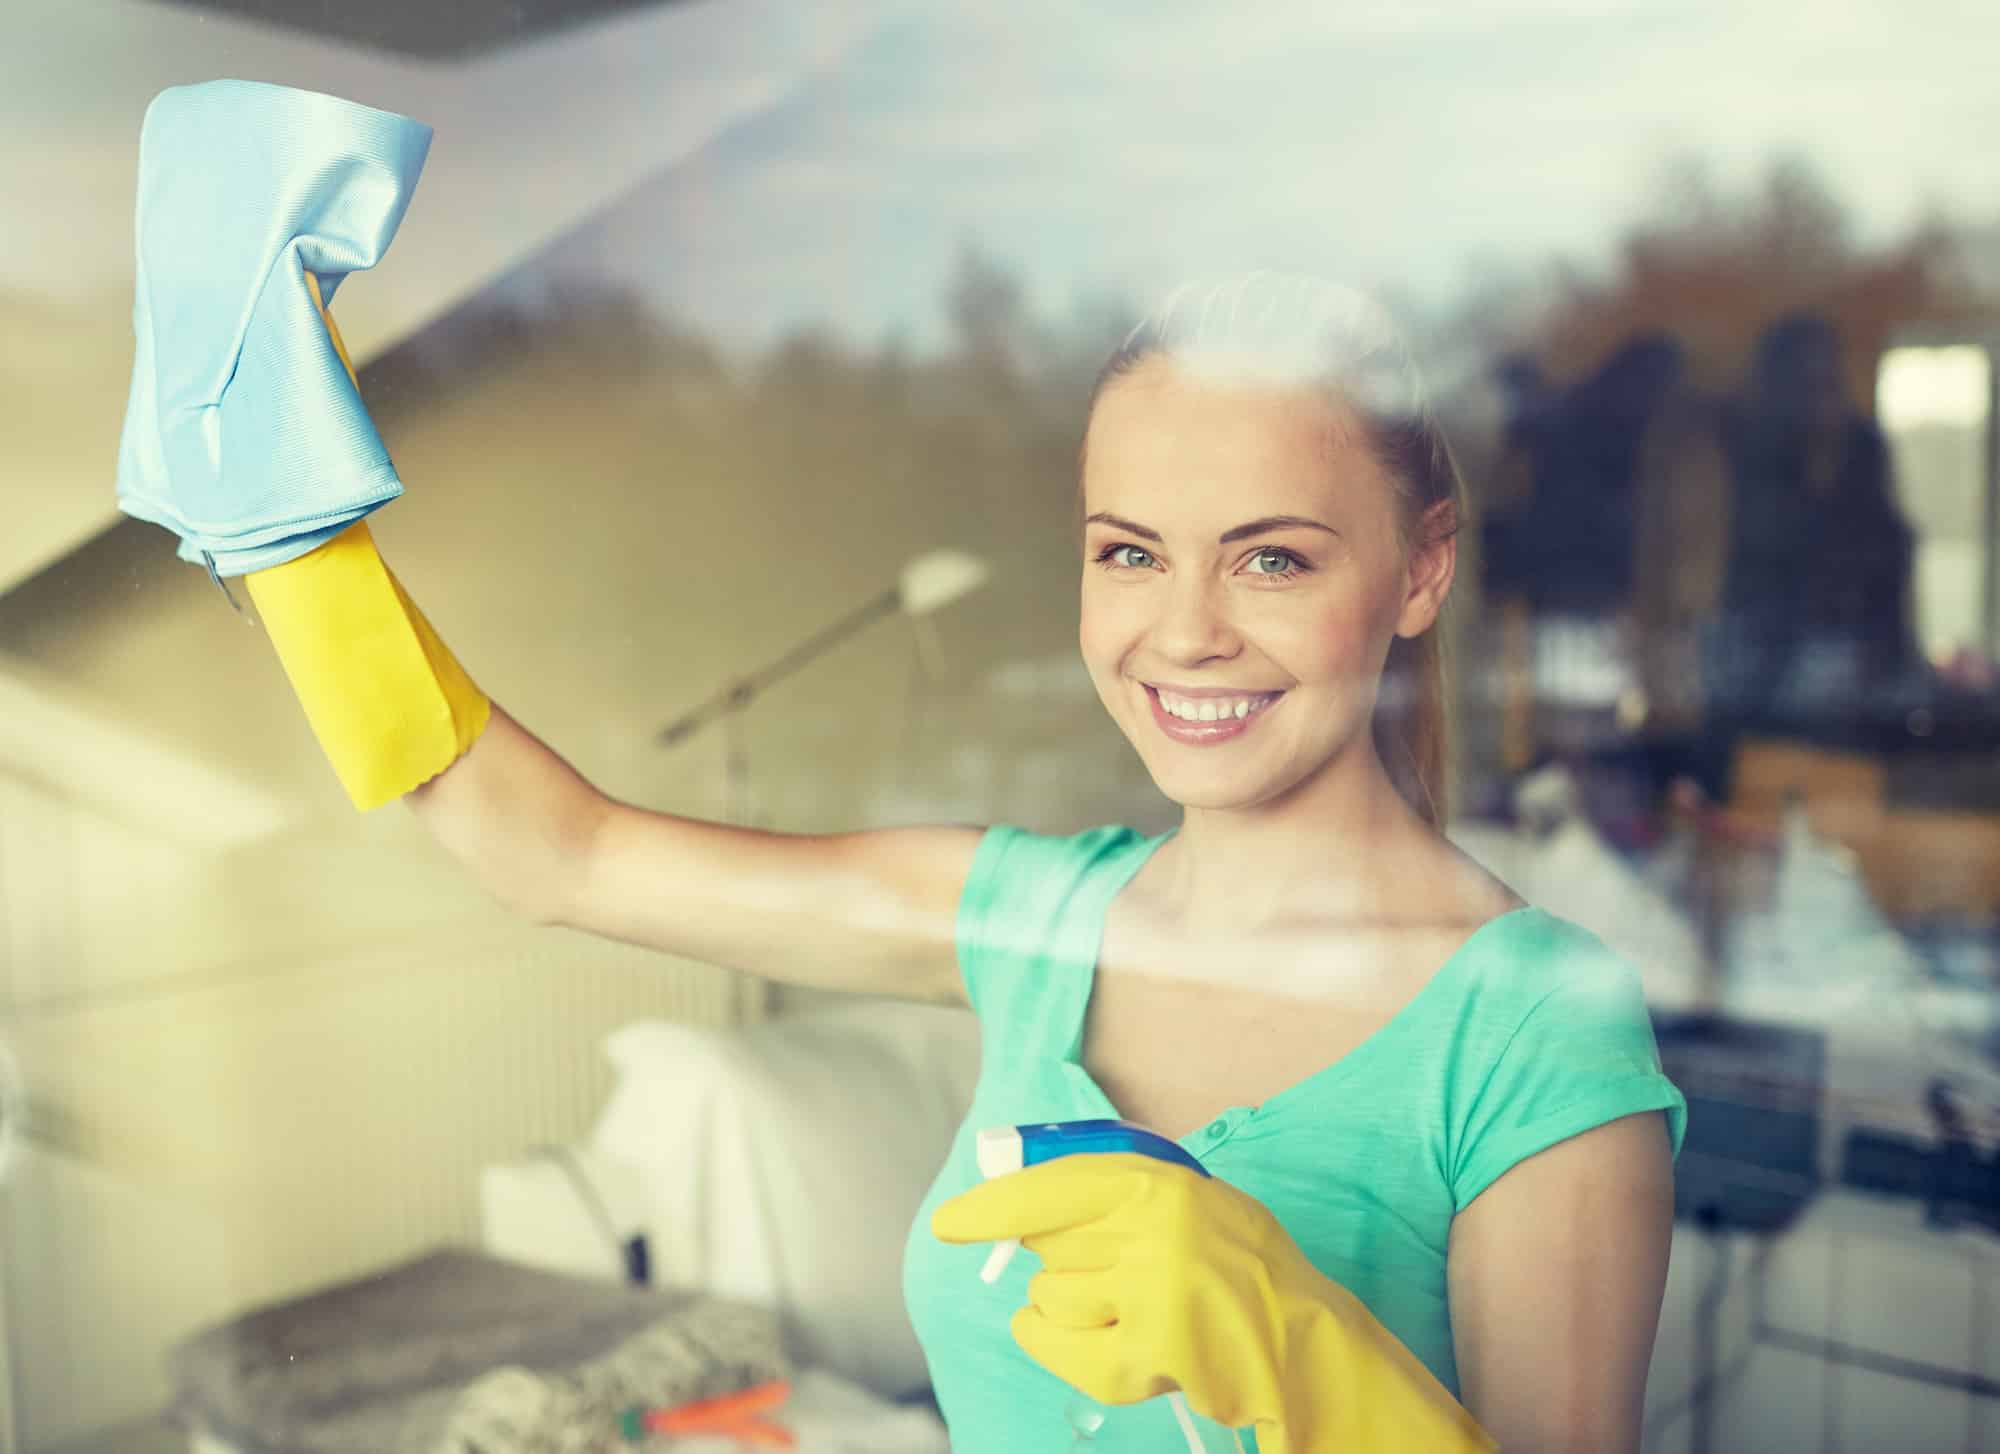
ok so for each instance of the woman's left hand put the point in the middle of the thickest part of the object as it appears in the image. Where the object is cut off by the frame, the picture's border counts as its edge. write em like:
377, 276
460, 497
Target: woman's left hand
1155, 1278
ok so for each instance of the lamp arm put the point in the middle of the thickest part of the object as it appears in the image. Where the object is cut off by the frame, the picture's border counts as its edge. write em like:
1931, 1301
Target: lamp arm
739, 693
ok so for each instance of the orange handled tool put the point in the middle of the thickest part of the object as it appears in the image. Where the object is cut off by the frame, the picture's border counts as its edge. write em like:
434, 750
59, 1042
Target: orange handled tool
735, 1415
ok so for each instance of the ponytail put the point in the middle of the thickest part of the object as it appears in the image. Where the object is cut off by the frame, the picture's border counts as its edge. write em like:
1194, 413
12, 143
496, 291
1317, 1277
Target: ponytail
1412, 726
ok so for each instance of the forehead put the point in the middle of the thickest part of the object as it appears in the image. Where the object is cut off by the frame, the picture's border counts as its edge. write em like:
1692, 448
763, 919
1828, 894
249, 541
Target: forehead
1163, 440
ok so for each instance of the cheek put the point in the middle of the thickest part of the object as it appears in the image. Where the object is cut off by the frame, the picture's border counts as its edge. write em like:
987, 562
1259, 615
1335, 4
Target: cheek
1343, 646
1107, 622
1347, 626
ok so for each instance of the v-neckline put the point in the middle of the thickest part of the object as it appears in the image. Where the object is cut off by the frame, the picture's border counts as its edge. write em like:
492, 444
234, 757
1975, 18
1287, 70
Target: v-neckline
1228, 1118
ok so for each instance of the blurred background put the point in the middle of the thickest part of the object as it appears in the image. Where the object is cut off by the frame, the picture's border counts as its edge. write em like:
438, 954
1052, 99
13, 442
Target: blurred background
707, 319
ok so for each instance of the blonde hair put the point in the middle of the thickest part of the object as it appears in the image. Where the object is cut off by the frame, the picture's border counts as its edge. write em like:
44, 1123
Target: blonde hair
1294, 332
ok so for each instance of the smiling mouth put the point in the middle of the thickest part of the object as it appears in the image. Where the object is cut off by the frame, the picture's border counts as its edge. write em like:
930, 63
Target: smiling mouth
1229, 717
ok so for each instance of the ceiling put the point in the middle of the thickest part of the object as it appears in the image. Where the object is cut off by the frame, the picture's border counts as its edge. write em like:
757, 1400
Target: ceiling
546, 114
440, 30
530, 140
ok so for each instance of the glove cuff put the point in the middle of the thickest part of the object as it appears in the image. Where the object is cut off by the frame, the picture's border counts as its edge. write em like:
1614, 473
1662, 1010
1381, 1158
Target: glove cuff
1349, 1385
390, 705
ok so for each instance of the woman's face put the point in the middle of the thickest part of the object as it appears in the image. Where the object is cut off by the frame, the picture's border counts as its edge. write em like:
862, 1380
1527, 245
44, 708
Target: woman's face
1241, 552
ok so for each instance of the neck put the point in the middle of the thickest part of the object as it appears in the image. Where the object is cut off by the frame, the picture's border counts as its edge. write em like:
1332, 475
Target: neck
1325, 850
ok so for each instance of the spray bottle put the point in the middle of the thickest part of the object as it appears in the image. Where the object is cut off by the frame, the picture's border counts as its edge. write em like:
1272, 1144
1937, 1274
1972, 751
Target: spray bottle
1004, 1149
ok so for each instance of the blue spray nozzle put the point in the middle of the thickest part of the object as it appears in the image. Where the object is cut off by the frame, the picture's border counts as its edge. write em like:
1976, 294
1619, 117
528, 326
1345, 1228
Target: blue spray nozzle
1051, 1139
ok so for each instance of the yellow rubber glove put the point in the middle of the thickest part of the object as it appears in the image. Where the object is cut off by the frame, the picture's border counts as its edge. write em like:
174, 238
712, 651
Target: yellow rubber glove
1154, 1278
389, 703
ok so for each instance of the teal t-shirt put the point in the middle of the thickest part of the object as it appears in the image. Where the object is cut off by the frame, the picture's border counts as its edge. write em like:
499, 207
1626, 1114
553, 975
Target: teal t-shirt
1532, 1032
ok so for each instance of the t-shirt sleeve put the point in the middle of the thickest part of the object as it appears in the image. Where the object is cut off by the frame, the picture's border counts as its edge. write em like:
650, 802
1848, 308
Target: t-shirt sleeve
1581, 1056
1030, 913
981, 903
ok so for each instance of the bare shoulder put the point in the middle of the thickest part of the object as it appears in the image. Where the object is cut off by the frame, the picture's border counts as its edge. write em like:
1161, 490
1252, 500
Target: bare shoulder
1443, 889
1470, 887
1439, 900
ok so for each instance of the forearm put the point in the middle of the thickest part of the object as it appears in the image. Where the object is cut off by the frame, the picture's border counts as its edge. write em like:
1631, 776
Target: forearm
516, 815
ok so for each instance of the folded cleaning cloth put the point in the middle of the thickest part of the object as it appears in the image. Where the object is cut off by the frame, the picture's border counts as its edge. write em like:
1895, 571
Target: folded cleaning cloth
243, 433
711, 1347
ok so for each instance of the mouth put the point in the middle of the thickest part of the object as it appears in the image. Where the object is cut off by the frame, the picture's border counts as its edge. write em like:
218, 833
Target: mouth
1254, 707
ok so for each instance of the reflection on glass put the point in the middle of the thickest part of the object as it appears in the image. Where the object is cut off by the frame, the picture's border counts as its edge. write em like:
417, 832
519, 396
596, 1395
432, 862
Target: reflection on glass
1935, 404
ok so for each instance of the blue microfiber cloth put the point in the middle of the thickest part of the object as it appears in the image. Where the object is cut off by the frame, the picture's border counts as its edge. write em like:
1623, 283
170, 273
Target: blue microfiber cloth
243, 433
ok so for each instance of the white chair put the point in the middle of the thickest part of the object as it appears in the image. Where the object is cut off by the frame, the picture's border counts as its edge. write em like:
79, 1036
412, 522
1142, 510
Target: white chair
780, 1162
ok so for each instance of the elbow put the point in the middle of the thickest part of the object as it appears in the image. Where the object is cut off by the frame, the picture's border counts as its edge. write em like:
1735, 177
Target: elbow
536, 867
538, 911
557, 895
534, 901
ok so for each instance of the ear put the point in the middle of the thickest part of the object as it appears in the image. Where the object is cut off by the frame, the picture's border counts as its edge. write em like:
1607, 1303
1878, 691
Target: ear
1433, 563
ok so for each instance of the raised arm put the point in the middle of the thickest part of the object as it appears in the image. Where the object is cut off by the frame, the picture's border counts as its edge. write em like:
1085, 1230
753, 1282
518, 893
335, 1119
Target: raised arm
252, 443
870, 911
399, 717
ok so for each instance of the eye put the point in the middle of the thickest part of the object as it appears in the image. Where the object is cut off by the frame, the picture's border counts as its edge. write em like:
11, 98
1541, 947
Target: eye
1291, 564
1107, 557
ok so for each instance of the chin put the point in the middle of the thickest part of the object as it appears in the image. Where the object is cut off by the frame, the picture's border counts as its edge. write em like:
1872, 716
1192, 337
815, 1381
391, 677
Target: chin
1193, 788
1217, 800
1211, 802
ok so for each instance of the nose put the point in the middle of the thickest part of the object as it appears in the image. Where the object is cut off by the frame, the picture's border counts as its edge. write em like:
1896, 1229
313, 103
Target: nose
1193, 623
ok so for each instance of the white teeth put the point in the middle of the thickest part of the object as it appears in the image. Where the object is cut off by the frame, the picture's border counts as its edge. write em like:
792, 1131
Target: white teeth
1209, 709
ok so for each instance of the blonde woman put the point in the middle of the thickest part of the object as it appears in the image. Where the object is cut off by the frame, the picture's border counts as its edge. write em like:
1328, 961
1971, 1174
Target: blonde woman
1440, 1140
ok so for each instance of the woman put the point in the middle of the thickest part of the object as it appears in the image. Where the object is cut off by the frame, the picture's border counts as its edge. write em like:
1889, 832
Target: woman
1442, 1203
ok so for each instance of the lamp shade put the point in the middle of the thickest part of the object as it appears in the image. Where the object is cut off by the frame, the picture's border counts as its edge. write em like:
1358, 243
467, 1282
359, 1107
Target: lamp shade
938, 578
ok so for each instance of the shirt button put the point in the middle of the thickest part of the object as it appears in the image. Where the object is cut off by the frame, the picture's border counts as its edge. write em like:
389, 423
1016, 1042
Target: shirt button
1216, 1128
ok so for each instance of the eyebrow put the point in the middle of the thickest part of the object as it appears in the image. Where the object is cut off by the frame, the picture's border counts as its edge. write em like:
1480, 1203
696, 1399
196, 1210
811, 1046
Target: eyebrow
1240, 532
